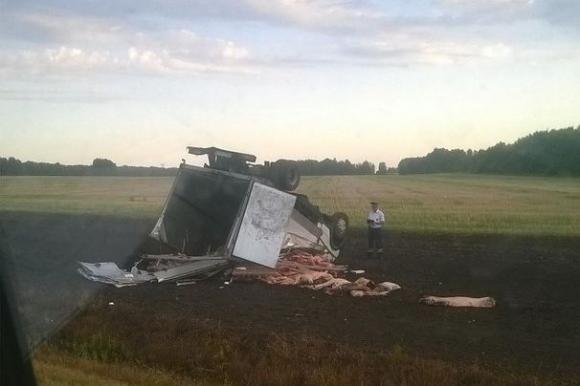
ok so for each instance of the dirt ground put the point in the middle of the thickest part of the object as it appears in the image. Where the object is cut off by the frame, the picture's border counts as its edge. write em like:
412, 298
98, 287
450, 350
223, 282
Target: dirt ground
534, 280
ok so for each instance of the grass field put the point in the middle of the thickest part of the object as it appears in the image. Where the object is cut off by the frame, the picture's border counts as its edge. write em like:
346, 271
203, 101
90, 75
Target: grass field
226, 358
57, 368
451, 235
432, 203
118, 196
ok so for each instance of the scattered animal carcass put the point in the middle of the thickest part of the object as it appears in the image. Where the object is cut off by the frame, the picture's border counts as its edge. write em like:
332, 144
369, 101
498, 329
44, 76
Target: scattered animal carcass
459, 301
314, 270
228, 212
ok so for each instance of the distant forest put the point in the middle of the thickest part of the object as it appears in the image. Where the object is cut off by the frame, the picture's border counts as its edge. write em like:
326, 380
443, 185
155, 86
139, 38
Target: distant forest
549, 153
104, 167
100, 167
332, 167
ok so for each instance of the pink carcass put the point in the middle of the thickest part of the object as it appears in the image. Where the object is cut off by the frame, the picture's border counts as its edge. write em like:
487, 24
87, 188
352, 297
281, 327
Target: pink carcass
313, 269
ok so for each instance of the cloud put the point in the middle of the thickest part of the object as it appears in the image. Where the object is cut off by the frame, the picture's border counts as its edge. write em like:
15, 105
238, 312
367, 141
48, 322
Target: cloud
57, 37
70, 61
322, 15
406, 50
74, 45
52, 94
187, 44
334, 15
488, 12
560, 12
489, 3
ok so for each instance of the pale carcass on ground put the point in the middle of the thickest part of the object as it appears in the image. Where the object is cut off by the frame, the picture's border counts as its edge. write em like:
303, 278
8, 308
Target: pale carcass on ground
459, 301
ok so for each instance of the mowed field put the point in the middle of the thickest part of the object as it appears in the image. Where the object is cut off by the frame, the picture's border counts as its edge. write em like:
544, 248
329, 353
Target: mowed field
456, 203
423, 203
514, 238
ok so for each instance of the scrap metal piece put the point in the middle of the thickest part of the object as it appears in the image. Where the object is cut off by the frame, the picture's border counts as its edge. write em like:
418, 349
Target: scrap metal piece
301, 232
180, 258
110, 273
191, 269
181, 283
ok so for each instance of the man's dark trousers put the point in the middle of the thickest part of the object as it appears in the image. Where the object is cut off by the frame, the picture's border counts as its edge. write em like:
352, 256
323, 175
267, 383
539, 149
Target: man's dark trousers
375, 242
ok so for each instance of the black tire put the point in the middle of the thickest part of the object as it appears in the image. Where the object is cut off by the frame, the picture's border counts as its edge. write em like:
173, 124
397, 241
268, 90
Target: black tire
285, 175
338, 229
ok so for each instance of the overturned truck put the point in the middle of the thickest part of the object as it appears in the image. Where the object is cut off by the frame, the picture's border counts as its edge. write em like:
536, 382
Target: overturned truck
228, 212
236, 209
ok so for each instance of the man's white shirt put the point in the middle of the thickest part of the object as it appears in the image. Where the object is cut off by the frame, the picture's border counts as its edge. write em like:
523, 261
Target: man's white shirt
377, 219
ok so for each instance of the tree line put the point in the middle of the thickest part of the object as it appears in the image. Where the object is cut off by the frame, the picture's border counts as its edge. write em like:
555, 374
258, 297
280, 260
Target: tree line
332, 167
105, 167
100, 167
550, 153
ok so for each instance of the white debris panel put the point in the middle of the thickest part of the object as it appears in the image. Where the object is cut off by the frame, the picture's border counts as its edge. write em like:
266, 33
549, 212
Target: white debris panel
314, 270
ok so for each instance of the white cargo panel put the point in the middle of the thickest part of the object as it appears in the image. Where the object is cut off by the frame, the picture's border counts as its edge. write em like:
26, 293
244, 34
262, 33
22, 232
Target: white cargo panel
263, 225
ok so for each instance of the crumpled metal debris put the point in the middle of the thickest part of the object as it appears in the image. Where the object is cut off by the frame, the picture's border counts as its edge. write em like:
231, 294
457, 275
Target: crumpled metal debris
110, 273
153, 268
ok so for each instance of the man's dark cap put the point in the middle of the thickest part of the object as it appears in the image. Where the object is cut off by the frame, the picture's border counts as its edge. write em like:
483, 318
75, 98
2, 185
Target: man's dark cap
374, 203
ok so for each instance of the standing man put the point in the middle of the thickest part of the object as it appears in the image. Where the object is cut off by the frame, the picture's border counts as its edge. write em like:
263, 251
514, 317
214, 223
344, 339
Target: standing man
375, 220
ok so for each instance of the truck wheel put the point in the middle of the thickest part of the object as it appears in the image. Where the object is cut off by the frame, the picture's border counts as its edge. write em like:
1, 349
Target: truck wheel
338, 230
286, 175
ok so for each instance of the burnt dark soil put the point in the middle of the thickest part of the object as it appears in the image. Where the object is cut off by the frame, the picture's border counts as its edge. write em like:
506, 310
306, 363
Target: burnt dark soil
535, 280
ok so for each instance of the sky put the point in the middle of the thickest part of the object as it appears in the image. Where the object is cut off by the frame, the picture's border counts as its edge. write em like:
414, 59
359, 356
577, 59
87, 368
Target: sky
137, 81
